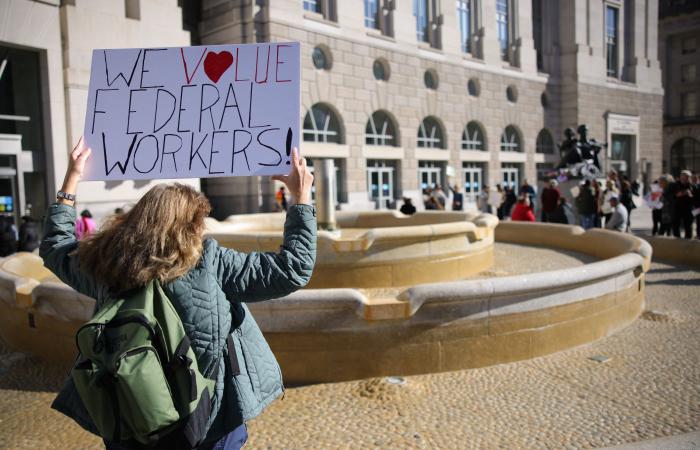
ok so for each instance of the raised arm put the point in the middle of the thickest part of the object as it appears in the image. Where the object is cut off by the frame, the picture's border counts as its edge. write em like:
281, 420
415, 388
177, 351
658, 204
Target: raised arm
59, 242
261, 276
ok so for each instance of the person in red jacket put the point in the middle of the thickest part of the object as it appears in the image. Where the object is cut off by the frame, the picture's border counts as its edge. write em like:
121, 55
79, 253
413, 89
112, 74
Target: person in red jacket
522, 211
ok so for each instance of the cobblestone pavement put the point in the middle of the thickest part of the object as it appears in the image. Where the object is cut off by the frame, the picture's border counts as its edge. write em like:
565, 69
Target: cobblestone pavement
649, 388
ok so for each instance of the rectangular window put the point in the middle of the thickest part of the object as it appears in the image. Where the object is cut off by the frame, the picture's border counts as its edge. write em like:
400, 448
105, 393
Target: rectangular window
611, 40
689, 104
537, 31
502, 24
420, 12
132, 9
371, 10
688, 45
464, 16
312, 5
688, 72
326, 8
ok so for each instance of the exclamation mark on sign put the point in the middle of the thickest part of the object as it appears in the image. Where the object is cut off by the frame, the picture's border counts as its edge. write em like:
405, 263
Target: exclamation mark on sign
289, 144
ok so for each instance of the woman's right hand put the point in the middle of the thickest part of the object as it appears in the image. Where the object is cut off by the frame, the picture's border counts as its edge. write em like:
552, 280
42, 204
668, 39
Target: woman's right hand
299, 180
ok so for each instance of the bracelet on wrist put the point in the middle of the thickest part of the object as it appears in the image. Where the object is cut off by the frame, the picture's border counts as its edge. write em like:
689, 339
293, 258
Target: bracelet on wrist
61, 195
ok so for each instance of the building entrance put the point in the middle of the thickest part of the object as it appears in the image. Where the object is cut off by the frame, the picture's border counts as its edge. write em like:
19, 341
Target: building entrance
621, 154
380, 184
511, 176
473, 179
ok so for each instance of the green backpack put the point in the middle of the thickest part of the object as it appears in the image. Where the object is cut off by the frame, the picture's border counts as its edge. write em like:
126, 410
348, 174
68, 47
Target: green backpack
137, 374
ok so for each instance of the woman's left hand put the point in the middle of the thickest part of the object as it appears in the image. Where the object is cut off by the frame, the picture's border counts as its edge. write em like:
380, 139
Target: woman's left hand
76, 166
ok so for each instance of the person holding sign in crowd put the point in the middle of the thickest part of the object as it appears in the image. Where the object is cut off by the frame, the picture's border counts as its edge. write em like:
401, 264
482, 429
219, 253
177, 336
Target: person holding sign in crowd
161, 239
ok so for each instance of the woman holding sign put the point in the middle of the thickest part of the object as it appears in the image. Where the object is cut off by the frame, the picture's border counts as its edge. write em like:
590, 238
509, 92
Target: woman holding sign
161, 239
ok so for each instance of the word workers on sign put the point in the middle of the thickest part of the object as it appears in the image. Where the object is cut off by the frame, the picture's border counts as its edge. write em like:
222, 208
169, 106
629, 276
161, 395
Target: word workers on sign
192, 112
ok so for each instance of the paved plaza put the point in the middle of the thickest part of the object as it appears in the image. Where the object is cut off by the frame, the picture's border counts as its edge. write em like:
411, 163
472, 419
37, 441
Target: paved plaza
648, 387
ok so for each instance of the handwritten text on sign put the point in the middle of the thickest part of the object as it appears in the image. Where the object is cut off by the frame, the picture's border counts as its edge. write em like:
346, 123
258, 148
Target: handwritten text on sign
192, 112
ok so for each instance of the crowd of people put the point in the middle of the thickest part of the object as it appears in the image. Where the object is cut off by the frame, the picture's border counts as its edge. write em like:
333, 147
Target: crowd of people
26, 238
604, 203
12, 239
675, 205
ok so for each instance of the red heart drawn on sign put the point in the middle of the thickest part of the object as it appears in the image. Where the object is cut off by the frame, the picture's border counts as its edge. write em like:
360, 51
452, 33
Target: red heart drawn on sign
215, 64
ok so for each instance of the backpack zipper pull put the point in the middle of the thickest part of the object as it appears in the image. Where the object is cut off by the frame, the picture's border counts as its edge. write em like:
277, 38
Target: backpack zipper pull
99, 339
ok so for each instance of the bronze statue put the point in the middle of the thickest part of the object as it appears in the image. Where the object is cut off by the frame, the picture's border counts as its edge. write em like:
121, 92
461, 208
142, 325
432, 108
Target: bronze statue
580, 156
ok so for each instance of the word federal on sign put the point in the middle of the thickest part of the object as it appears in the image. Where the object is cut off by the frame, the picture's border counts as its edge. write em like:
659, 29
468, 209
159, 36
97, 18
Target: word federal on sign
192, 112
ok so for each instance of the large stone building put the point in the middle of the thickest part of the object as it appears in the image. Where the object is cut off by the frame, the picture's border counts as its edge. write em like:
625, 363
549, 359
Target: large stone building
679, 53
45, 54
401, 94
404, 94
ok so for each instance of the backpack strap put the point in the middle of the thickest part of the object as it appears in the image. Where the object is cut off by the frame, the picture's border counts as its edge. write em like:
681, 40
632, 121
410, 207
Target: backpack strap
232, 358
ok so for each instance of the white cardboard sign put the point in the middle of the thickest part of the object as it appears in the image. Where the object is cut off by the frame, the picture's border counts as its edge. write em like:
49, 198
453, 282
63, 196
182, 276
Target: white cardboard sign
192, 112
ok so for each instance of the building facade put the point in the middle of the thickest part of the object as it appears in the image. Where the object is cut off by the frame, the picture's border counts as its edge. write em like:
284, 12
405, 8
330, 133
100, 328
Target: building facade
679, 53
401, 94
45, 55
407, 94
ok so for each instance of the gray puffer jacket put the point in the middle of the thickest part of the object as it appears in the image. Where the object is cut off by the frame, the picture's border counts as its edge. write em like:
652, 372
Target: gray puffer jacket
210, 300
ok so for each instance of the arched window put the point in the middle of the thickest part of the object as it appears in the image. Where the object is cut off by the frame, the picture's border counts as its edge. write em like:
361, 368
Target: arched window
685, 155
381, 130
510, 140
473, 137
430, 134
545, 143
321, 124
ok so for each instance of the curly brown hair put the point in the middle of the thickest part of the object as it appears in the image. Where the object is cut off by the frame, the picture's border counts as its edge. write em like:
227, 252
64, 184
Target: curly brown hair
159, 238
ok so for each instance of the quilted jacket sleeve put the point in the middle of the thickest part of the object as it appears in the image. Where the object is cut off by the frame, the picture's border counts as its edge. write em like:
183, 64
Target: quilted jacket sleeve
261, 276
57, 247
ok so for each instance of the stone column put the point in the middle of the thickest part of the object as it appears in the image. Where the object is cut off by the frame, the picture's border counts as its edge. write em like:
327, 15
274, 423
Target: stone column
324, 178
525, 55
488, 35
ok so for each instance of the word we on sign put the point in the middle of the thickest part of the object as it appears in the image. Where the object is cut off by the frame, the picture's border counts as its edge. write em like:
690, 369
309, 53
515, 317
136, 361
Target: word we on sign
192, 112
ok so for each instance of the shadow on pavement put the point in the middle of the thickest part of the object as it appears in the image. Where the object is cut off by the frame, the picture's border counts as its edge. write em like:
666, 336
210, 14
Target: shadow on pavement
675, 282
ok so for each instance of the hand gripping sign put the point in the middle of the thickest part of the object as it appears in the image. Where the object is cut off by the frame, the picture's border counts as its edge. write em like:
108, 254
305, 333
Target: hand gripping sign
192, 112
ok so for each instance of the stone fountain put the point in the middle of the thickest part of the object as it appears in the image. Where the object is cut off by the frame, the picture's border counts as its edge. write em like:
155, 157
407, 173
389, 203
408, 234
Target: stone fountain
390, 294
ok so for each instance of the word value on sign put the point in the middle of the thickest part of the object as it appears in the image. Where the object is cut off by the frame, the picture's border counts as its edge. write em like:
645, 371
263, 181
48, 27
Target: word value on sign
192, 112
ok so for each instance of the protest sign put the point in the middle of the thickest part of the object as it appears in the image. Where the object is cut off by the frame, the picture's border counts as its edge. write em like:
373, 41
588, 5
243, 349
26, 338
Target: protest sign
192, 112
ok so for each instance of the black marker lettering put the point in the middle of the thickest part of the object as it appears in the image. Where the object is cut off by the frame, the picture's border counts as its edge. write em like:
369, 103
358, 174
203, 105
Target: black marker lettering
120, 74
181, 108
279, 155
242, 150
94, 109
203, 108
172, 111
122, 166
211, 155
143, 65
157, 153
194, 152
164, 152
128, 115
234, 105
